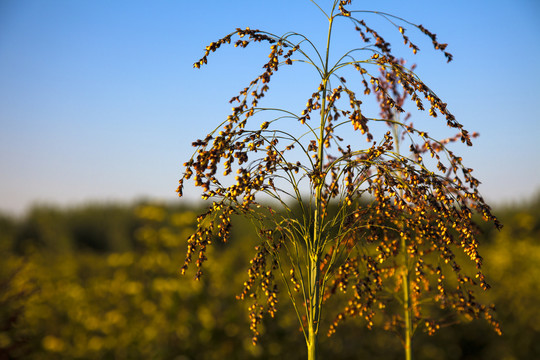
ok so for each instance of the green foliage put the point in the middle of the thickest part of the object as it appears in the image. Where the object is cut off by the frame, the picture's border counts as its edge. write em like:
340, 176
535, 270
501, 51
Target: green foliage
134, 304
91, 227
515, 267
119, 305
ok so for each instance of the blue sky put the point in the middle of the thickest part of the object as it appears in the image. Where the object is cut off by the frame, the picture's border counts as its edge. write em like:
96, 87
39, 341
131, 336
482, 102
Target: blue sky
99, 100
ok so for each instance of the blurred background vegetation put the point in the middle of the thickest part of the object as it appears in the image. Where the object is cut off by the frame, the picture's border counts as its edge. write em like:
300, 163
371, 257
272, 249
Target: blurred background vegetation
103, 282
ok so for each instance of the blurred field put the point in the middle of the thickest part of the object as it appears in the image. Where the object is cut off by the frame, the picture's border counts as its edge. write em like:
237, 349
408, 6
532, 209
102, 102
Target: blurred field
103, 282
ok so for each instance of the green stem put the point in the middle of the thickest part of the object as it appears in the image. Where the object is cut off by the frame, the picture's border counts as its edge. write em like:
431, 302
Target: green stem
406, 277
314, 306
313, 327
407, 307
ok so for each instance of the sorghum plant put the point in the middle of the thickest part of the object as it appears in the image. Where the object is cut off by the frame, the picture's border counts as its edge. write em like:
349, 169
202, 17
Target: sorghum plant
414, 272
345, 218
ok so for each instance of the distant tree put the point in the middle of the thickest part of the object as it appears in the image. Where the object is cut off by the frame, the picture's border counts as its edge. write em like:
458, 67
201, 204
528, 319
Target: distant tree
316, 235
44, 228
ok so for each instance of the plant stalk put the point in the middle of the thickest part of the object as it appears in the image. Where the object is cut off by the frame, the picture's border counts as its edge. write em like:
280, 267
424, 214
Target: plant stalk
406, 279
314, 306
407, 306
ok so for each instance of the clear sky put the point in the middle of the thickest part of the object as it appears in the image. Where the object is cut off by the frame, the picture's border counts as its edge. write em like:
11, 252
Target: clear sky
99, 100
